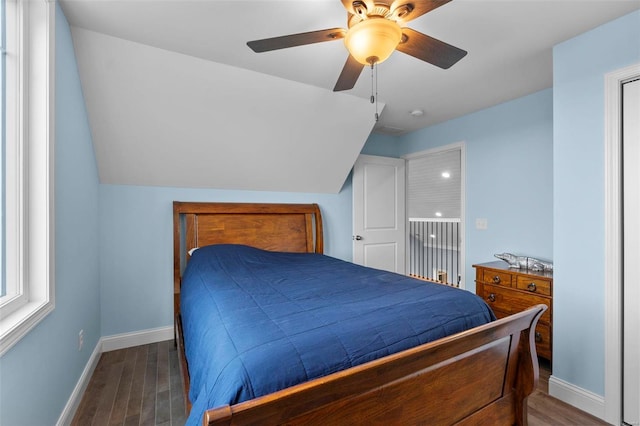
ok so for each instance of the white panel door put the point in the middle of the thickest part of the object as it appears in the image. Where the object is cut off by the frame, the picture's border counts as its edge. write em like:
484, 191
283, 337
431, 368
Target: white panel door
631, 250
379, 213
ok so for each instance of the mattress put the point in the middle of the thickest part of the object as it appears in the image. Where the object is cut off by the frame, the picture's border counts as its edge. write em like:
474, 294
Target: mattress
255, 322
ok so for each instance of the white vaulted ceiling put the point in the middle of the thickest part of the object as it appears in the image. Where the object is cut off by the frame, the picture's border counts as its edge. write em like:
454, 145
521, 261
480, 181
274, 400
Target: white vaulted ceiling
176, 98
164, 118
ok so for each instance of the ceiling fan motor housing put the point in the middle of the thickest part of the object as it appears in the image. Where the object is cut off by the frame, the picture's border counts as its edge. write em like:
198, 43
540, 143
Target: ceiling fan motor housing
373, 40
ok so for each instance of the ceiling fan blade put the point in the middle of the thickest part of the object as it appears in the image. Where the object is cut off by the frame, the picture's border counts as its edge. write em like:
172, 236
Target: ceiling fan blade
349, 75
407, 10
429, 49
293, 40
354, 6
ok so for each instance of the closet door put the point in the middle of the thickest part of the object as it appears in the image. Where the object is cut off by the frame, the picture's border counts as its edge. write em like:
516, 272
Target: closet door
631, 250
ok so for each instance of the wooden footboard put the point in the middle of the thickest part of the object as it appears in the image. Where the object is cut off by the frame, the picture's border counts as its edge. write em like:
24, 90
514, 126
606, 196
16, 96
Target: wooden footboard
481, 376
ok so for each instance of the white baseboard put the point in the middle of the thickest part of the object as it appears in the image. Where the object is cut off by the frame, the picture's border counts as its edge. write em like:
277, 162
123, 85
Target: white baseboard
582, 399
76, 396
106, 344
136, 338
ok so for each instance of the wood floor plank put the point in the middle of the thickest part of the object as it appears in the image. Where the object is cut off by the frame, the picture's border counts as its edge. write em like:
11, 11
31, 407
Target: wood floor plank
133, 420
163, 366
163, 390
178, 416
163, 407
142, 386
92, 396
108, 395
148, 410
119, 411
134, 405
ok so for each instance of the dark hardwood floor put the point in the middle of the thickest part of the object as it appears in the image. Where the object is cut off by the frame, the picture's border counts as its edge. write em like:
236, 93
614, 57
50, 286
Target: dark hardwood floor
142, 386
134, 386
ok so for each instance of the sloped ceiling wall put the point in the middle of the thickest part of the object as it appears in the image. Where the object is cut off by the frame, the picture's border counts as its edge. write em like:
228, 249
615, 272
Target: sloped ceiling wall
163, 118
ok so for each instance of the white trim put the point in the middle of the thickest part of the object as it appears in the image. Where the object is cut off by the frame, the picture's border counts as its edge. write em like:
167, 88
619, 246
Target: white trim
35, 265
136, 338
76, 396
436, 150
107, 344
582, 399
462, 146
612, 258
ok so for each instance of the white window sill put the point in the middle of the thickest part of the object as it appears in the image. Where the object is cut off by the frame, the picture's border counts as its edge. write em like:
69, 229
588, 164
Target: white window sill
17, 324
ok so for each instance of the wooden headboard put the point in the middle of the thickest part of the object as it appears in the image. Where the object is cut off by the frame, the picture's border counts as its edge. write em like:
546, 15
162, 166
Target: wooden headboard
275, 227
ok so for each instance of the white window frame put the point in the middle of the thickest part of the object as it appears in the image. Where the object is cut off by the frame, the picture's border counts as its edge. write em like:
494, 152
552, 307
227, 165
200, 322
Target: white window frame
29, 160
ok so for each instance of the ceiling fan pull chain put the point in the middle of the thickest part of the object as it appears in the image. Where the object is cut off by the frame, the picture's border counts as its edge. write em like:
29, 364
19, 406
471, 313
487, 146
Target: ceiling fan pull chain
373, 99
374, 87
377, 116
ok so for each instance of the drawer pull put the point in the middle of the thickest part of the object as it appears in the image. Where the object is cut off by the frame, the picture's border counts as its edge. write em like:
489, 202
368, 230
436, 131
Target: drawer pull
496, 279
492, 297
538, 337
531, 287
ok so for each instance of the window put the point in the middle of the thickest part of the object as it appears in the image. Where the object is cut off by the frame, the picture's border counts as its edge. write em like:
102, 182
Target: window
3, 283
27, 294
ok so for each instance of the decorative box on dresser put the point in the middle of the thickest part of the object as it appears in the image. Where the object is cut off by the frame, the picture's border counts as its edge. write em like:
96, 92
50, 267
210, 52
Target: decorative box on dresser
510, 290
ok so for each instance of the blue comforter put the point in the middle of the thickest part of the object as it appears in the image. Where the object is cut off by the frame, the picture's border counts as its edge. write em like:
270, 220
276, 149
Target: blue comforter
256, 322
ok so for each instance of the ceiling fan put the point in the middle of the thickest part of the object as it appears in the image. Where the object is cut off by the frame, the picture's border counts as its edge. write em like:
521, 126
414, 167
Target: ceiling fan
375, 30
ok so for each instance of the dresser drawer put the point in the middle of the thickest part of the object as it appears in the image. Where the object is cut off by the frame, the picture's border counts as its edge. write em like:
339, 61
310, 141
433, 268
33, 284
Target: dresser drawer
542, 336
534, 285
543, 340
510, 301
496, 277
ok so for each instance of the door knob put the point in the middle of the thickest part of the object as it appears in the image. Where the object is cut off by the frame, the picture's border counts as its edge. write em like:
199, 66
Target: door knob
357, 237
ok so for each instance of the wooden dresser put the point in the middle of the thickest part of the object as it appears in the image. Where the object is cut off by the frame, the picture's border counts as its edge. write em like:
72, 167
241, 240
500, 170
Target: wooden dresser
509, 290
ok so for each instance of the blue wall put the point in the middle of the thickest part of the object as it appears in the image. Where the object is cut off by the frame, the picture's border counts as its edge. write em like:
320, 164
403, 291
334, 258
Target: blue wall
509, 176
40, 372
382, 145
579, 68
136, 249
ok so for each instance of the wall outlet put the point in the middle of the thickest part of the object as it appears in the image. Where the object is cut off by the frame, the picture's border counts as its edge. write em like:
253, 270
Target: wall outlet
482, 223
80, 340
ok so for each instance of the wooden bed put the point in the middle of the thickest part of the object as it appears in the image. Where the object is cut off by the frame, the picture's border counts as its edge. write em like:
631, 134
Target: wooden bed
480, 376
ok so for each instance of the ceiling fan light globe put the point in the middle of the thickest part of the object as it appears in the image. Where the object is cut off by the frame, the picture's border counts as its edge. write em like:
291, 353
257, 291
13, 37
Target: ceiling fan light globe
373, 40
